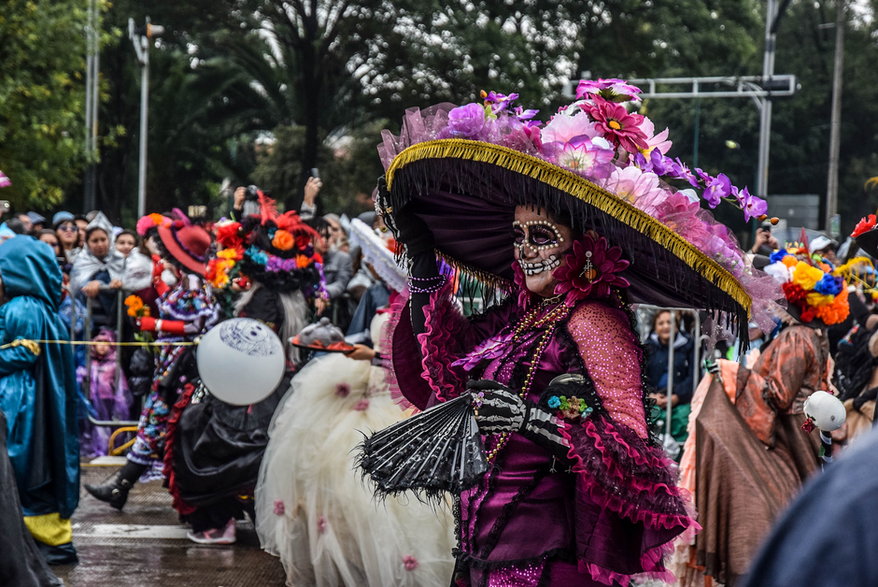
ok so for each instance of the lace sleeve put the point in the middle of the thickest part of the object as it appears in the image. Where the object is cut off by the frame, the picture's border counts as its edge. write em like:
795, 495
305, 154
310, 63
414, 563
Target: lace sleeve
612, 357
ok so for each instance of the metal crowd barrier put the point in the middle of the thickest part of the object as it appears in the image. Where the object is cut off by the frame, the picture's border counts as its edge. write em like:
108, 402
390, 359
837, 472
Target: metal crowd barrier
698, 339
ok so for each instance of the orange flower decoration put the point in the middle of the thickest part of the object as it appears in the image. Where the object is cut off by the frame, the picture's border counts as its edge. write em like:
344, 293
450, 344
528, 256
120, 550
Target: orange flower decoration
283, 240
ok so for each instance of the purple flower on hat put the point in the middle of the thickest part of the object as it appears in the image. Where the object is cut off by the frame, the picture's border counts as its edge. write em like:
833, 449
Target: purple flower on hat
4, 181
466, 122
715, 188
657, 163
611, 89
499, 102
753, 206
523, 115
680, 170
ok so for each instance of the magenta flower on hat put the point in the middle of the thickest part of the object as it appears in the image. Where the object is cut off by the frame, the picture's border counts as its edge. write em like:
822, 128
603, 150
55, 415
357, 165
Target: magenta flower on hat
590, 270
617, 124
612, 89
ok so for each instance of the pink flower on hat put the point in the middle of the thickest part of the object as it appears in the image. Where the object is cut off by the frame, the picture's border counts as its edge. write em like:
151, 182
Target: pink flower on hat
618, 125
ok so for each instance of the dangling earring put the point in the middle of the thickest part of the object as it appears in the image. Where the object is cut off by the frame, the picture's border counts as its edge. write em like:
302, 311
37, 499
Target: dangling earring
588, 270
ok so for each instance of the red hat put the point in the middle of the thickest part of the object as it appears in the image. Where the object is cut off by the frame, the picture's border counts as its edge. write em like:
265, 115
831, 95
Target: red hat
188, 244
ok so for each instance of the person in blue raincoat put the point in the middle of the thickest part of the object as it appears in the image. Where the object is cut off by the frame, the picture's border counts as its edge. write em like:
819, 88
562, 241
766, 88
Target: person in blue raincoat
38, 394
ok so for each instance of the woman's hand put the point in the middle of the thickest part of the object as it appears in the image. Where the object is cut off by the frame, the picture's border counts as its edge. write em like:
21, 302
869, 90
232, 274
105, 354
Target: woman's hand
361, 353
661, 399
498, 408
116, 284
92, 289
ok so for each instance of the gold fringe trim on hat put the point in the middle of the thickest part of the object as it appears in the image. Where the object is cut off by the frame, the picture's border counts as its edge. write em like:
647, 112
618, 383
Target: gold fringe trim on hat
578, 187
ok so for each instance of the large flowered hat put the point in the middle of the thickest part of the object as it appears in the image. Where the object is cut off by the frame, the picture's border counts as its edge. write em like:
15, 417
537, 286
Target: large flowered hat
816, 292
464, 169
276, 250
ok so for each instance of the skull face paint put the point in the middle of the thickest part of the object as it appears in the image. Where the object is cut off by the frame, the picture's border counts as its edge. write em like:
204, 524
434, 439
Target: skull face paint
539, 246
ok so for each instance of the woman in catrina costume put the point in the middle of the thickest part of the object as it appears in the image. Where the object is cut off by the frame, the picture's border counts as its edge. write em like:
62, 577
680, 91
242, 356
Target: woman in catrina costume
574, 221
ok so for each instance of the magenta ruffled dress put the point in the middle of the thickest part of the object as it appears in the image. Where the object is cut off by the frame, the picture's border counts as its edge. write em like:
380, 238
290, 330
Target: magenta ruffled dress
607, 512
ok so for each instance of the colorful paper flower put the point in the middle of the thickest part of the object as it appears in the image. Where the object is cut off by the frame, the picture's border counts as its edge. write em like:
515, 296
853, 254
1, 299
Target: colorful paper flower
282, 240
590, 270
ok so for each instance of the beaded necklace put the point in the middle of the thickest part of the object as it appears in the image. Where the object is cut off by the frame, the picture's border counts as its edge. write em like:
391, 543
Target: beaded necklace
532, 321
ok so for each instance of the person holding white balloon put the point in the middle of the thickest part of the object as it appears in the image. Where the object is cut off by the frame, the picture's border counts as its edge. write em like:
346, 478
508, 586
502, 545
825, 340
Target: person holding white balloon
186, 311
217, 439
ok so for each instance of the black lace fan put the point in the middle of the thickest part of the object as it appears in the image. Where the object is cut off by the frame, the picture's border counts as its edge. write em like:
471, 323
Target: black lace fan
435, 451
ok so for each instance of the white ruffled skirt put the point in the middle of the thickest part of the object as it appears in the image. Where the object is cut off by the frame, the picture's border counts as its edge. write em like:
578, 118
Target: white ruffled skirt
317, 513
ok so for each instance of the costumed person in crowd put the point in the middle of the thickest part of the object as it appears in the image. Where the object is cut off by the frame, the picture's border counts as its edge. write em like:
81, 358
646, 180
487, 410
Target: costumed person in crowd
751, 450
572, 219
97, 273
187, 310
106, 391
144, 266
312, 508
215, 449
38, 395
826, 536
657, 355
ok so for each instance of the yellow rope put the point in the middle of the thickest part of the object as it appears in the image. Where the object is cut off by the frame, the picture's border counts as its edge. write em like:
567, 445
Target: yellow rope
27, 342
578, 187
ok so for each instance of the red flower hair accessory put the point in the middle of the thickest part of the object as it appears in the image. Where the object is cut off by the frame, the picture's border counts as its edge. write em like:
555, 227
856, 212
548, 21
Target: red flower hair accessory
864, 225
590, 270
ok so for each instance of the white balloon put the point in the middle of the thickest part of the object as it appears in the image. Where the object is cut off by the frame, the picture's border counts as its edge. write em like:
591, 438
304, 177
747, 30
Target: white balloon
240, 361
825, 410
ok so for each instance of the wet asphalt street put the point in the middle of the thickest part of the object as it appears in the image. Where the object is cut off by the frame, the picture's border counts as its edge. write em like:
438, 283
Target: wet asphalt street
146, 546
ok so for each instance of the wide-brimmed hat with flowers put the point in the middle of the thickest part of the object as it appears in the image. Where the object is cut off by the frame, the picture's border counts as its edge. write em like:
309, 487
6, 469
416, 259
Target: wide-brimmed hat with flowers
464, 169
276, 250
185, 243
816, 292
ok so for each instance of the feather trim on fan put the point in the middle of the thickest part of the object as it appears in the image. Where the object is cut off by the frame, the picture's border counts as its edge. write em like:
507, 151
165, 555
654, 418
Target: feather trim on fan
436, 451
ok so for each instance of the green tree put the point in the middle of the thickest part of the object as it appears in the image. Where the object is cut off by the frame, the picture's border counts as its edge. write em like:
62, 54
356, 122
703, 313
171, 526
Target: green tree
42, 96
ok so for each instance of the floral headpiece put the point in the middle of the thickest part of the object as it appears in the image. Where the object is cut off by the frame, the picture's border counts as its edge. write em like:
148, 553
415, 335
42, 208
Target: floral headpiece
598, 138
811, 286
274, 249
150, 221
594, 161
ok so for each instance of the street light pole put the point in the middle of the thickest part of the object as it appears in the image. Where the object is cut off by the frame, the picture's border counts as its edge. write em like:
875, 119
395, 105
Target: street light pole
835, 124
141, 41
765, 109
92, 100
